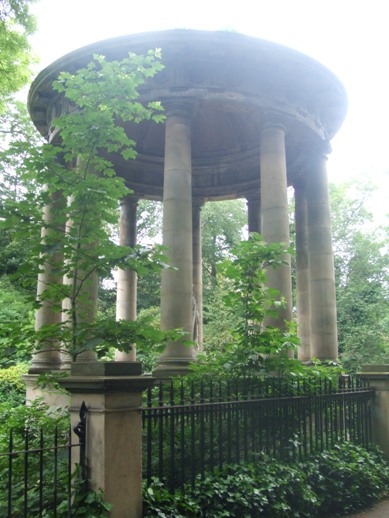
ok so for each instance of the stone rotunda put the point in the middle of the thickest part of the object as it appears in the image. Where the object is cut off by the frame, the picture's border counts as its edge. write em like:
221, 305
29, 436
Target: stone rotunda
245, 118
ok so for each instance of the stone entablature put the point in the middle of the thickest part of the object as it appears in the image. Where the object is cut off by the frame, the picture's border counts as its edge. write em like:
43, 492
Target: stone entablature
236, 83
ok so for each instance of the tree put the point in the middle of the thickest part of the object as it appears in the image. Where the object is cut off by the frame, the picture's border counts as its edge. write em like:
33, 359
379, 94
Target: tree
18, 190
149, 230
103, 94
18, 193
362, 277
255, 348
16, 25
222, 227
16, 312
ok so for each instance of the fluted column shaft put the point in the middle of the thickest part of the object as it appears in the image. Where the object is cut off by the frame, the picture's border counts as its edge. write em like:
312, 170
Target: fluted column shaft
126, 293
274, 213
324, 344
177, 283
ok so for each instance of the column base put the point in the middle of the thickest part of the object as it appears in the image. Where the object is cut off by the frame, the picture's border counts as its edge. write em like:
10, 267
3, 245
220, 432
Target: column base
38, 367
168, 367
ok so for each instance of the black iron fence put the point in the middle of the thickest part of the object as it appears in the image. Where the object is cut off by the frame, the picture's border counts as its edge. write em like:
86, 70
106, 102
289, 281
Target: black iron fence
36, 478
191, 428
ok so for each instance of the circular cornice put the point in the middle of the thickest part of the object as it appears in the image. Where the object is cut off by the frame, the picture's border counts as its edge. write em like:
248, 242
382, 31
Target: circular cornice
238, 84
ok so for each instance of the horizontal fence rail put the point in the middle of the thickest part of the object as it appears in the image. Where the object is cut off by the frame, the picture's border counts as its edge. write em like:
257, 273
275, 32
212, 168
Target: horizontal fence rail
36, 472
193, 428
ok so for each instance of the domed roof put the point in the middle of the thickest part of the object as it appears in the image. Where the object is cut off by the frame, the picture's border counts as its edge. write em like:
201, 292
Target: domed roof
237, 84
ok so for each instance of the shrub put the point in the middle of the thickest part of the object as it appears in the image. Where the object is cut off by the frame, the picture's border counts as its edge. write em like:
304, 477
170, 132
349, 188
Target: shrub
354, 477
12, 386
332, 483
26, 423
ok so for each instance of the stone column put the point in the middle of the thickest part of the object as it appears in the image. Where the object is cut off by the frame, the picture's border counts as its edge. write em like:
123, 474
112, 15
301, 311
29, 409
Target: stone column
47, 355
254, 212
197, 275
302, 271
177, 283
324, 343
126, 292
113, 432
274, 212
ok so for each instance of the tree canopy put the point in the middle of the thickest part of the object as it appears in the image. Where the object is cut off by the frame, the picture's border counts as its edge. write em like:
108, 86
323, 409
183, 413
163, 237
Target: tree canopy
362, 276
16, 25
360, 246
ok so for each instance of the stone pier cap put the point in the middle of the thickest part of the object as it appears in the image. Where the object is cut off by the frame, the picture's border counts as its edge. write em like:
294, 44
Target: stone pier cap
237, 84
106, 377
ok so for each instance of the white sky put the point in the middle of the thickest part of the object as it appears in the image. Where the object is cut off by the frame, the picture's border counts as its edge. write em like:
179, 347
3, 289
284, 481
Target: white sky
350, 37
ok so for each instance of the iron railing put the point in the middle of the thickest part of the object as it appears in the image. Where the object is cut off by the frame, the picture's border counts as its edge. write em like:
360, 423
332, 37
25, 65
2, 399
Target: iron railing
191, 428
36, 476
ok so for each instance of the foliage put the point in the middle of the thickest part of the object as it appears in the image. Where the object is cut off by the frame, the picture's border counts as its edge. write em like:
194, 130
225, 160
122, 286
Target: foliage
26, 424
34, 416
362, 277
148, 356
222, 226
144, 332
149, 221
353, 477
85, 502
150, 344
218, 321
149, 230
12, 386
103, 96
15, 312
158, 501
18, 191
255, 348
99, 335
332, 483
149, 290
29, 421
16, 24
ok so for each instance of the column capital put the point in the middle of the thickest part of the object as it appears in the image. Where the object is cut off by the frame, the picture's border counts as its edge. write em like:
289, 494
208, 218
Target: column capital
300, 182
318, 150
273, 119
129, 199
181, 107
253, 196
198, 203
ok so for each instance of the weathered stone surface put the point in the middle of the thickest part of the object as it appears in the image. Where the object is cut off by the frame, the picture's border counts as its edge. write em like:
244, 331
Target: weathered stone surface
113, 438
123, 368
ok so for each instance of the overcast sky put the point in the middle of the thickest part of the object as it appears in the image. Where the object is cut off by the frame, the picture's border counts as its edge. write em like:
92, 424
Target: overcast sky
350, 37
